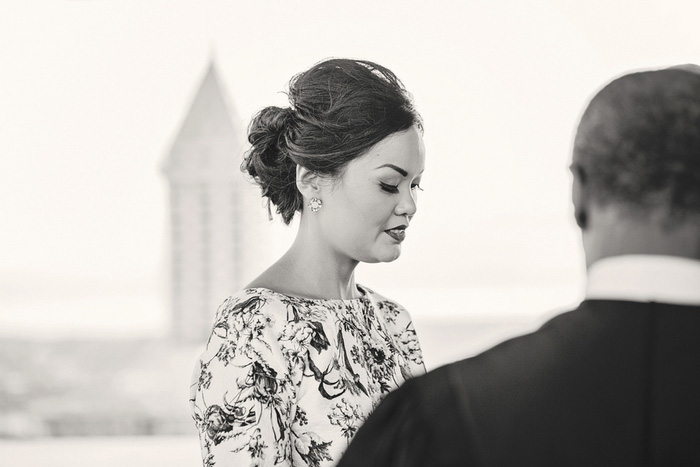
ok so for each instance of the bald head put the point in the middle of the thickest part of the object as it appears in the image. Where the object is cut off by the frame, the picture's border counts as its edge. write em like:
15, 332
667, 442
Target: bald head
636, 166
687, 67
638, 143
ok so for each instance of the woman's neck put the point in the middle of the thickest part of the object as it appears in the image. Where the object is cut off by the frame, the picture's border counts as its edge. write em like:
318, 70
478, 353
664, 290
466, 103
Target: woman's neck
316, 271
311, 269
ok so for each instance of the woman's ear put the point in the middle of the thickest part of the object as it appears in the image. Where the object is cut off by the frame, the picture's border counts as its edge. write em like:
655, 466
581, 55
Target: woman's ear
308, 182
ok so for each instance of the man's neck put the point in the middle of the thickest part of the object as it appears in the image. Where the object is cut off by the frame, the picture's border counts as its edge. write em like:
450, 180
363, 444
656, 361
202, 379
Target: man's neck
610, 234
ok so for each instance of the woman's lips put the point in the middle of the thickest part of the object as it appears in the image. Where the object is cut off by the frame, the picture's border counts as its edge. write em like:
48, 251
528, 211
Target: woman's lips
397, 234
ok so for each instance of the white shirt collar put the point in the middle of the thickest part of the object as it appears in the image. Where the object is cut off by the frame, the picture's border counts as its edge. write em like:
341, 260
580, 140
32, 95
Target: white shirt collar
645, 278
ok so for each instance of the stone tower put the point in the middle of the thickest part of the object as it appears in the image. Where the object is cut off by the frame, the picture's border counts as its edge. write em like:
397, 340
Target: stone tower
216, 215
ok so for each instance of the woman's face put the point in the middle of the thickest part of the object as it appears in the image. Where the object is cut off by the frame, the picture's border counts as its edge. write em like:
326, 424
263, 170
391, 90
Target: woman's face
366, 212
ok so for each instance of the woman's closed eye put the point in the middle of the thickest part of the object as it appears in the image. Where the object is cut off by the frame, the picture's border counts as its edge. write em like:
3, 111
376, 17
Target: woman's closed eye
393, 189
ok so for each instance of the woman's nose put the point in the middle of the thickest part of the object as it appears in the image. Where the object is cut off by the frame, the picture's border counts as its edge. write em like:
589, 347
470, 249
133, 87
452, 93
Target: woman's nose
407, 206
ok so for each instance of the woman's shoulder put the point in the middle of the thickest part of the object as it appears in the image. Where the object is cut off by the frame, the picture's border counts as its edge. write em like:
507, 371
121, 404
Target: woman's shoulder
400, 327
248, 301
392, 309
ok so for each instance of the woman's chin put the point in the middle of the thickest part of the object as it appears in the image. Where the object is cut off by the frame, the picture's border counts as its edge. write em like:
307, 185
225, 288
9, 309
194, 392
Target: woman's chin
390, 255
383, 255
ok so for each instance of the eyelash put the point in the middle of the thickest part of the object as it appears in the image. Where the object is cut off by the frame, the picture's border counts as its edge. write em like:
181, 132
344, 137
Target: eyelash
393, 189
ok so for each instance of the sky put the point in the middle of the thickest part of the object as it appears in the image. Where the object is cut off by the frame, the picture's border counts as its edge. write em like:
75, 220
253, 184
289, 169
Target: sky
93, 92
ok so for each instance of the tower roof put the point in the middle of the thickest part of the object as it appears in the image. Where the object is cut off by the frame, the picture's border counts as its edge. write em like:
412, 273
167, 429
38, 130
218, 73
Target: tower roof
210, 141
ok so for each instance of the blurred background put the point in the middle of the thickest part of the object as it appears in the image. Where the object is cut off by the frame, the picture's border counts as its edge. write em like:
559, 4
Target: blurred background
126, 221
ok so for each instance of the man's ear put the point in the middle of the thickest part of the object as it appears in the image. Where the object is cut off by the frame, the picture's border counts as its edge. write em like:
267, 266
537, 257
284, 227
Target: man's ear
308, 183
579, 196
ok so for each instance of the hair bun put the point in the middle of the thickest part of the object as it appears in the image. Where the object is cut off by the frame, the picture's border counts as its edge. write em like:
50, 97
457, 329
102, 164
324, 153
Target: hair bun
268, 160
266, 134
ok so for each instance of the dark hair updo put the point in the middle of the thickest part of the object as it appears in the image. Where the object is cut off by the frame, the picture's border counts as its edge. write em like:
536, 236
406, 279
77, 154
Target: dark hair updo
339, 109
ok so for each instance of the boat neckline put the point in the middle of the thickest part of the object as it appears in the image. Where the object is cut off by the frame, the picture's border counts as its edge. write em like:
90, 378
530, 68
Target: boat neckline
364, 291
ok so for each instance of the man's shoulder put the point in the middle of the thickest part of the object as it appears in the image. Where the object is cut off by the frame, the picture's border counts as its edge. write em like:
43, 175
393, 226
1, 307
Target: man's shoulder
557, 346
574, 351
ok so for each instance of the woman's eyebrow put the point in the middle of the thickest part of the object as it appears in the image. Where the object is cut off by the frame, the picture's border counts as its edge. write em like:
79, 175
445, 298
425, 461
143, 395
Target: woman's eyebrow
398, 169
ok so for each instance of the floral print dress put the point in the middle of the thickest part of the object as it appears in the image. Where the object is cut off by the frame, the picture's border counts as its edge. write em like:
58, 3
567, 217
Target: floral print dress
287, 381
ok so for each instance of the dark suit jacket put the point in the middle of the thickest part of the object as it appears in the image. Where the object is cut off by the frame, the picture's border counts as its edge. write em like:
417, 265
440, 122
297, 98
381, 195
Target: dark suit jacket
611, 383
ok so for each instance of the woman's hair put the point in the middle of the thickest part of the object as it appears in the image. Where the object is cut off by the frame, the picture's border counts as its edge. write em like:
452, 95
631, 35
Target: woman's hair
338, 110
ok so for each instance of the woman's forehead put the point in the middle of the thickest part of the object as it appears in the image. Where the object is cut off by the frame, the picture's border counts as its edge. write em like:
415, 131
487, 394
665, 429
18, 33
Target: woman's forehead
402, 152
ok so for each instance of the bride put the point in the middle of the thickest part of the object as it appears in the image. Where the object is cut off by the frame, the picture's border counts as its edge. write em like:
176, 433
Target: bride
299, 358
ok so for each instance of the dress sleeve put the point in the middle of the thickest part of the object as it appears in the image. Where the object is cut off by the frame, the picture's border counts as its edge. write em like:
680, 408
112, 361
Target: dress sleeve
403, 334
243, 395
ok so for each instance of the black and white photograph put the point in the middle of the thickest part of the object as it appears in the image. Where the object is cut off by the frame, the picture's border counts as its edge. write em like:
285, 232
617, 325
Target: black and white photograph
369, 233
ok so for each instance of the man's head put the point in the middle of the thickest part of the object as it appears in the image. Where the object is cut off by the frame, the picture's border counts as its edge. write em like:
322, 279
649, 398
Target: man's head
636, 166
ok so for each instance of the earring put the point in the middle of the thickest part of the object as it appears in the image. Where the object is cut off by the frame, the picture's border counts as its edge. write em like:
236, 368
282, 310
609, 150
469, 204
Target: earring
315, 204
